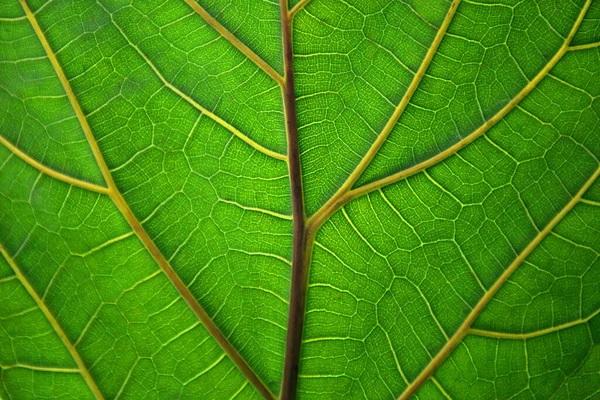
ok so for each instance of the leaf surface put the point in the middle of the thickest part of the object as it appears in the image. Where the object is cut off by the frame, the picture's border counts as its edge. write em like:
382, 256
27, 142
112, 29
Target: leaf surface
314, 199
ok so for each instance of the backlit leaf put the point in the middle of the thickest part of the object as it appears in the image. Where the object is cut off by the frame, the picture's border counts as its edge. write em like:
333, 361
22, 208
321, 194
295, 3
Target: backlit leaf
320, 199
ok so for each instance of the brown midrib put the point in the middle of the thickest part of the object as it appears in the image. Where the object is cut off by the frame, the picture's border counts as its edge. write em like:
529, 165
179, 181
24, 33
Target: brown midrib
305, 232
301, 247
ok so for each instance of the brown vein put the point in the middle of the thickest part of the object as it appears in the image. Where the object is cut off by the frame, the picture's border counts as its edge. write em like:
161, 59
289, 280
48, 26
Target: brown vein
121, 204
463, 330
235, 42
82, 369
302, 244
51, 172
334, 202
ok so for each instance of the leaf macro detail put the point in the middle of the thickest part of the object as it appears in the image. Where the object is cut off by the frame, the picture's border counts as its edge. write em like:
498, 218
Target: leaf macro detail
312, 199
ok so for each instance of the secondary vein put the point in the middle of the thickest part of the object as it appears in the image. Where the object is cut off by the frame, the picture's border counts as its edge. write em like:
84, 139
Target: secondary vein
297, 8
332, 206
333, 203
194, 103
49, 171
123, 207
529, 335
235, 42
82, 368
463, 330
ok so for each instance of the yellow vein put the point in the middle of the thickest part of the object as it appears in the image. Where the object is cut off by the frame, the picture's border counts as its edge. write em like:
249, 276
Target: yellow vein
195, 104
528, 335
49, 171
440, 388
364, 162
591, 202
258, 210
476, 133
64, 81
584, 46
105, 244
119, 201
297, 8
238, 44
57, 328
8, 278
464, 329
43, 369
14, 19
239, 391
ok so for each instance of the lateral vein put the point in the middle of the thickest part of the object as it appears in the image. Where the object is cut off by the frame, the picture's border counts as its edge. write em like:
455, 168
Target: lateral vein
235, 42
464, 329
584, 46
194, 103
43, 369
529, 335
297, 8
123, 207
51, 172
330, 206
469, 138
82, 369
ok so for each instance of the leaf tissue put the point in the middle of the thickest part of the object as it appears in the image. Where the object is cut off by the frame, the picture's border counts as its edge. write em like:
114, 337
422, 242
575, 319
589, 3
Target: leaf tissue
303, 199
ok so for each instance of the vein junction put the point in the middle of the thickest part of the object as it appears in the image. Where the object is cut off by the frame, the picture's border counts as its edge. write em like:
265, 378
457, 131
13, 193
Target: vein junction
357, 241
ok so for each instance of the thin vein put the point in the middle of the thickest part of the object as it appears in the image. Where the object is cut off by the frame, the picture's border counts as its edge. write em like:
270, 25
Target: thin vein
463, 330
440, 388
584, 46
194, 103
8, 278
258, 210
591, 202
106, 244
51, 172
297, 8
473, 135
235, 42
529, 335
331, 206
123, 207
42, 368
82, 369
575, 371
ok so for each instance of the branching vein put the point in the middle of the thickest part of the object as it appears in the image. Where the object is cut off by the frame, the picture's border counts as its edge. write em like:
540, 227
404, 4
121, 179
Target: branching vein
237, 43
82, 368
123, 207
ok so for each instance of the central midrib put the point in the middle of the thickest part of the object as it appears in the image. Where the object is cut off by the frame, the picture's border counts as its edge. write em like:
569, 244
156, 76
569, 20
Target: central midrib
301, 247
305, 232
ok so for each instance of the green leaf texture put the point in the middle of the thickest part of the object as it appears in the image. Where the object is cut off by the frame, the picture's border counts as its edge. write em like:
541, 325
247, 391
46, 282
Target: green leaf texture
320, 199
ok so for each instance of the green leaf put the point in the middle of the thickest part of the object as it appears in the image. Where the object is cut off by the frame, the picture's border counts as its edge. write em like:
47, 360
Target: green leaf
319, 199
